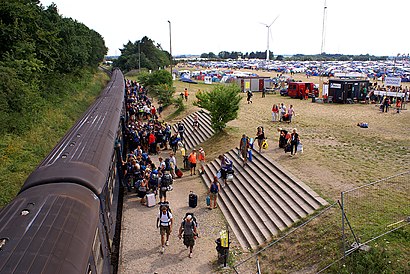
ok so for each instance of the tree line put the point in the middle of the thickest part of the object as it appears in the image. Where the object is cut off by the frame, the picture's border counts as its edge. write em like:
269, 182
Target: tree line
144, 53
39, 49
297, 57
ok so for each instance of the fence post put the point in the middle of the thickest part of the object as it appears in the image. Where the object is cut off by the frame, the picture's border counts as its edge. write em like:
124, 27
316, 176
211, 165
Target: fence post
343, 223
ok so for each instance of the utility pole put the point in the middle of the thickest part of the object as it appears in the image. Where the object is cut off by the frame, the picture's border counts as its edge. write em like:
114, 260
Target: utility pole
170, 46
321, 52
139, 56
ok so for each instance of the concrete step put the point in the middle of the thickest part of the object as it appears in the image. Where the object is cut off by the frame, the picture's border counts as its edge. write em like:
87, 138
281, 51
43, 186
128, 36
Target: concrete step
240, 212
193, 137
262, 199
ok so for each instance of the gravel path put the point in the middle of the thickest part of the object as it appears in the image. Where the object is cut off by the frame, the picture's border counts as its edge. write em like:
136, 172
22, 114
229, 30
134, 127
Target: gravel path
141, 242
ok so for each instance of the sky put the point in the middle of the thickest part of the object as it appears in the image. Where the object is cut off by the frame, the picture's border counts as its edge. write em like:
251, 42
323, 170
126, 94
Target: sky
351, 26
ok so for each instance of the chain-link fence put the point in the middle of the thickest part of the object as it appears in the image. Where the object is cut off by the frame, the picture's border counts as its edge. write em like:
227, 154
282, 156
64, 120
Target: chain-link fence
312, 245
319, 244
375, 209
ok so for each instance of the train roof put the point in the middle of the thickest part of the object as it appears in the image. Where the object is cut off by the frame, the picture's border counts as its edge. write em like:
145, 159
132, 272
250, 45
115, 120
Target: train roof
48, 229
81, 156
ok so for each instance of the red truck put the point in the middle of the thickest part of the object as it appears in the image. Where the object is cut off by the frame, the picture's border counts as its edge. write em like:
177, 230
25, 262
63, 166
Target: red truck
302, 90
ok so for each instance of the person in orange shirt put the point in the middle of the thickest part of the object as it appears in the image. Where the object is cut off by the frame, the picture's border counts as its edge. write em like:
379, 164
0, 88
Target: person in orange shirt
186, 94
192, 161
201, 159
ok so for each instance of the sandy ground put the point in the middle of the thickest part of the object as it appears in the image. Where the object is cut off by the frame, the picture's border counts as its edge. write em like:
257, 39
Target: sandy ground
141, 242
338, 155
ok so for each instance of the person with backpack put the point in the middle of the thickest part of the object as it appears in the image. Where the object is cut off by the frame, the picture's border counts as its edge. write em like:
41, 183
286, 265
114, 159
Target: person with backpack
163, 185
181, 130
249, 97
213, 192
190, 232
243, 147
173, 142
153, 180
226, 166
164, 223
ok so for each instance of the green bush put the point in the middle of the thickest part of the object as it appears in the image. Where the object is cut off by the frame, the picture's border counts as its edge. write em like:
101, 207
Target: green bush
222, 102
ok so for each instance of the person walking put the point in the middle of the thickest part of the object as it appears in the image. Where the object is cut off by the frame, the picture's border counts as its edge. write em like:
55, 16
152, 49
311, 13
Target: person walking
192, 161
213, 192
226, 166
201, 159
189, 231
291, 113
195, 123
282, 111
294, 141
260, 136
181, 130
164, 223
244, 146
249, 97
186, 94
275, 113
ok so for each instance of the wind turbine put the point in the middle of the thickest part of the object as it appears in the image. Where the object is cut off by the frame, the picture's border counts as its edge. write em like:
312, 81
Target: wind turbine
268, 27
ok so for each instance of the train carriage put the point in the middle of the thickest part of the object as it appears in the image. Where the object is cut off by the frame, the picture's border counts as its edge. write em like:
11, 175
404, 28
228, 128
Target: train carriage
52, 229
87, 157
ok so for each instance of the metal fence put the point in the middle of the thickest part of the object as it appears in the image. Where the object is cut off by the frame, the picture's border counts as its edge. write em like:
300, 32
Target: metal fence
320, 243
296, 249
373, 210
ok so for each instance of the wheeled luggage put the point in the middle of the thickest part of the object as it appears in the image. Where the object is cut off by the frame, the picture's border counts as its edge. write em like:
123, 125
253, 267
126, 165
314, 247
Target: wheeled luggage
192, 199
179, 173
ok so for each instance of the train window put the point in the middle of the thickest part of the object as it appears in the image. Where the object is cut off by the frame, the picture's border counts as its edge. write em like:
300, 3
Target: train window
98, 252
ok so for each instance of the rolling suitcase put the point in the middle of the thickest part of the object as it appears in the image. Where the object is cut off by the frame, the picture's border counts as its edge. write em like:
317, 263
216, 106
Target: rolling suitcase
179, 173
192, 199
151, 200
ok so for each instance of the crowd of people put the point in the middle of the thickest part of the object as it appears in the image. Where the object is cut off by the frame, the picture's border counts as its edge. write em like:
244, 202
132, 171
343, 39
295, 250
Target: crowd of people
282, 114
144, 136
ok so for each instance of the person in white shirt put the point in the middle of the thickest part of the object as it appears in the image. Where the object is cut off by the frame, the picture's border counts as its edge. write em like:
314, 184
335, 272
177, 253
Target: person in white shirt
164, 223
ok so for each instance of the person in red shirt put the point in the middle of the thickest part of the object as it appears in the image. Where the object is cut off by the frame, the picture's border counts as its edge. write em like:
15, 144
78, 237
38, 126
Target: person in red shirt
152, 143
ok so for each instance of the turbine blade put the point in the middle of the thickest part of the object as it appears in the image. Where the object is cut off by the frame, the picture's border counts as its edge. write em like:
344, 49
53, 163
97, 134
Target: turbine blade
273, 21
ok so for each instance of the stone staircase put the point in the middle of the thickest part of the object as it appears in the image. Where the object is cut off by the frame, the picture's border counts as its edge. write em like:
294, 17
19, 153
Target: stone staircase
193, 137
262, 199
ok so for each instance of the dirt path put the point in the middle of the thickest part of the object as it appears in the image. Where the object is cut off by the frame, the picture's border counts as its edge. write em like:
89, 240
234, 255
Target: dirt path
141, 241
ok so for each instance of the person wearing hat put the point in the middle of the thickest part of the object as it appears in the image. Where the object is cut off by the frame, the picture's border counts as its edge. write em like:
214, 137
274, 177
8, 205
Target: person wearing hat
189, 229
192, 161
201, 159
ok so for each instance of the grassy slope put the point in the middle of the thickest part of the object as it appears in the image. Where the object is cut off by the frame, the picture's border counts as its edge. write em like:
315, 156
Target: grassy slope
19, 155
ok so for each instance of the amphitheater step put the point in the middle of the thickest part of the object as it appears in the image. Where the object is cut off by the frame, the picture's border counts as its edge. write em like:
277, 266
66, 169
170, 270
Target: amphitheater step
262, 199
195, 136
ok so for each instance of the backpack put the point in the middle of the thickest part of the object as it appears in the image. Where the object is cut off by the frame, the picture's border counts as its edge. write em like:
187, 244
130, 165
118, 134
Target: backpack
165, 204
166, 180
194, 222
214, 188
167, 164
153, 179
